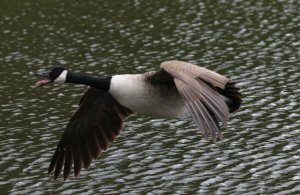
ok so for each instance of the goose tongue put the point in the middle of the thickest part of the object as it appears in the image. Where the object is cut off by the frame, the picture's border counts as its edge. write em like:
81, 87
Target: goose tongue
42, 82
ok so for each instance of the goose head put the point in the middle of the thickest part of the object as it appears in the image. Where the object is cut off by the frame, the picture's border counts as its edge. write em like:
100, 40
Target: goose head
56, 74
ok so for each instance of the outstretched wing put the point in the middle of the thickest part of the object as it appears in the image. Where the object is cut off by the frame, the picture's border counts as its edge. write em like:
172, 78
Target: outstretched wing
95, 124
198, 87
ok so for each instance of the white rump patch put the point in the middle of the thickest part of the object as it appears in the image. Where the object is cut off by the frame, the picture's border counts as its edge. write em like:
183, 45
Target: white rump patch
62, 77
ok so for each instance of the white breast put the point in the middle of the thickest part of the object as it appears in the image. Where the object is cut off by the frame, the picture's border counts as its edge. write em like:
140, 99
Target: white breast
134, 93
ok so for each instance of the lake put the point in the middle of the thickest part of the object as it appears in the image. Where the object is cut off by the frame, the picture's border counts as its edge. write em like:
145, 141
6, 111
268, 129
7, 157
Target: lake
255, 43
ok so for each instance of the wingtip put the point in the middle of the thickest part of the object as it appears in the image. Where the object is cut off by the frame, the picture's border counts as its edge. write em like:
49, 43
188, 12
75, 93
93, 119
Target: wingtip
50, 171
76, 174
55, 177
220, 136
65, 177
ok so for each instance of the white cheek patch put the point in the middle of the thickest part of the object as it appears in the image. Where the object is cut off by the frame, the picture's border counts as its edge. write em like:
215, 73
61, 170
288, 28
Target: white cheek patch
62, 77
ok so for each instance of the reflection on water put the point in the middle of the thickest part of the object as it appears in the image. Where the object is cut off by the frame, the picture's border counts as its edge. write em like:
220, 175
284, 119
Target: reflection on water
255, 43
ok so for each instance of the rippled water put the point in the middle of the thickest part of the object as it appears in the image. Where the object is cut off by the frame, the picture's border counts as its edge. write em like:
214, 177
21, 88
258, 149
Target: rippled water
256, 43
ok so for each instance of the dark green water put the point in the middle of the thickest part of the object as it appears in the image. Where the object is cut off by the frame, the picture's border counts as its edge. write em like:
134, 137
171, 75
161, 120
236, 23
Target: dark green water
255, 43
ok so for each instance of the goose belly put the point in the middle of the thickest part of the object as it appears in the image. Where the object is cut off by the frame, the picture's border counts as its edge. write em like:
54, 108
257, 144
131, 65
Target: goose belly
134, 93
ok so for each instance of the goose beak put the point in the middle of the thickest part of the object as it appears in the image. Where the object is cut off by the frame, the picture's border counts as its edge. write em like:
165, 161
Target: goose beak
43, 81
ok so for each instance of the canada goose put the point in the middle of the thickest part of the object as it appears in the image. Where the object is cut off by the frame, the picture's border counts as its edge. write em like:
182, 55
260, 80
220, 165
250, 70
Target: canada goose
176, 89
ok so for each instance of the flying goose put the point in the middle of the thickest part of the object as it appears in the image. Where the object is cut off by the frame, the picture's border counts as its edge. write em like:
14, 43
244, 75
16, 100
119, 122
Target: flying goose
176, 89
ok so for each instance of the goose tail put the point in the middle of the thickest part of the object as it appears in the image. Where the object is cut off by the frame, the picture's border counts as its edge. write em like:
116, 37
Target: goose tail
232, 96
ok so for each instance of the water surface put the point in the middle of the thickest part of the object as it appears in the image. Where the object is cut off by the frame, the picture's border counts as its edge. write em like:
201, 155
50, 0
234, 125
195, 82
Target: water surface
255, 43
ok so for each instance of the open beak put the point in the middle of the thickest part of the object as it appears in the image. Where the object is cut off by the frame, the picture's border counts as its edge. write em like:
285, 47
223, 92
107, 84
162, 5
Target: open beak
43, 81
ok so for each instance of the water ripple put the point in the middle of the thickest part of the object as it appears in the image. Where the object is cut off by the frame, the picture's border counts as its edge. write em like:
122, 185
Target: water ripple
255, 43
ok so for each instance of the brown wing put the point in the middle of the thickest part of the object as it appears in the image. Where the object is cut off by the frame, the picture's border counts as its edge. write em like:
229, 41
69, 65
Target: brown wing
198, 87
95, 124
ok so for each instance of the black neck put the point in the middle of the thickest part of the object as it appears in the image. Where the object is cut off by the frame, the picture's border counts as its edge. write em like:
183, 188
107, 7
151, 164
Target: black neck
96, 82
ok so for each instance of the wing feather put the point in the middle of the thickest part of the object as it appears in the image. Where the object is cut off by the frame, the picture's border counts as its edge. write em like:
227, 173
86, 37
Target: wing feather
198, 87
194, 71
68, 164
95, 124
85, 152
77, 160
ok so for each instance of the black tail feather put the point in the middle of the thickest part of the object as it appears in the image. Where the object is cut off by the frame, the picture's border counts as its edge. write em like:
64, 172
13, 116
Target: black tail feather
233, 97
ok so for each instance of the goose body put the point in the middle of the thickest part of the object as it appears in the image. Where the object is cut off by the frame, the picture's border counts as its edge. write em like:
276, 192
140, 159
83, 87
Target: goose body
176, 89
133, 91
